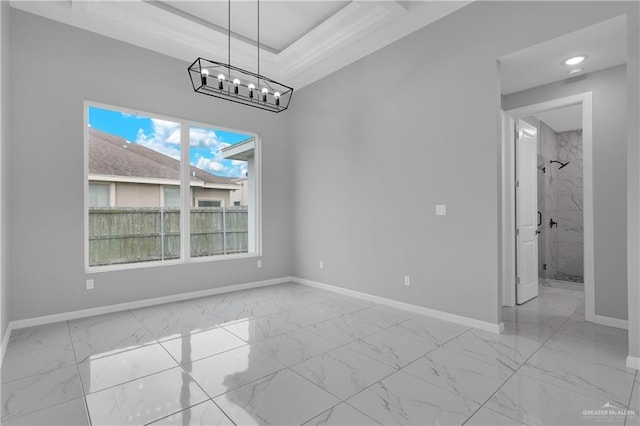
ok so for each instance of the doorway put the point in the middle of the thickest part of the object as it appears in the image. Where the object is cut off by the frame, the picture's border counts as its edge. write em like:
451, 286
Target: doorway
560, 203
512, 261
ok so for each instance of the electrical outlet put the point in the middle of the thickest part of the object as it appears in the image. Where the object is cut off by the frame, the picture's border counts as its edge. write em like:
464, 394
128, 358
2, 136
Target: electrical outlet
407, 280
321, 264
441, 209
89, 284
259, 264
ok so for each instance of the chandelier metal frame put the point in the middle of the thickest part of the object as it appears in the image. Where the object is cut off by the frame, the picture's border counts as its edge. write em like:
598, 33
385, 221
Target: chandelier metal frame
224, 81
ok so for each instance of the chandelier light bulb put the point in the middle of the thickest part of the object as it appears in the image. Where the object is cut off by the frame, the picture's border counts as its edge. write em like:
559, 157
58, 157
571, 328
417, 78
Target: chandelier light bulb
203, 76
236, 84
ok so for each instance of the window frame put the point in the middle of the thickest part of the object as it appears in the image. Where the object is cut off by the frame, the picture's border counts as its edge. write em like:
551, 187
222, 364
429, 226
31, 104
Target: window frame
185, 195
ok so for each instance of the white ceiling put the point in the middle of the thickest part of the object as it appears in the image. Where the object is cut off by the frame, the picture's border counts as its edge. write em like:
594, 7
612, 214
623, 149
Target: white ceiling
281, 22
305, 40
604, 45
562, 119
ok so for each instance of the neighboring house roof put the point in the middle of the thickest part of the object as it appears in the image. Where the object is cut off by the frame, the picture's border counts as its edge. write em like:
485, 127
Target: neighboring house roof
111, 155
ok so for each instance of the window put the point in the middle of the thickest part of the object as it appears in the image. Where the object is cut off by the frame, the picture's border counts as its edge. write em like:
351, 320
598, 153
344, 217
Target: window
226, 156
171, 196
145, 187
99, 195
209, 203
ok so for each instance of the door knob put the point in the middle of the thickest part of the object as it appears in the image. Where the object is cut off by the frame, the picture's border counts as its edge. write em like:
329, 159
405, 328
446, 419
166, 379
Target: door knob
552, 223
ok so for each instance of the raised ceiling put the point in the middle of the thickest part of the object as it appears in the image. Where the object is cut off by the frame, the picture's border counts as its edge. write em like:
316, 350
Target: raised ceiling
604, 45
303, 40
282, 23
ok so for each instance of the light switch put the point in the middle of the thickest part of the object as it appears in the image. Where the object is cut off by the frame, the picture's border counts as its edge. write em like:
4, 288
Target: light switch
441, 209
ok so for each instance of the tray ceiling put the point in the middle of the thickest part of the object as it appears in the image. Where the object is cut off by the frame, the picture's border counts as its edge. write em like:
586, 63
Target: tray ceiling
302, 41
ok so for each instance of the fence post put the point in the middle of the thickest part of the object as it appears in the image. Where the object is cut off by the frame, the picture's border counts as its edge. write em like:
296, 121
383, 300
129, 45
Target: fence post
224, 230
162, 232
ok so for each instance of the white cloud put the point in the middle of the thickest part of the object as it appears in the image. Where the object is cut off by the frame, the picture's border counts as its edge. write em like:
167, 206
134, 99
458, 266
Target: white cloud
205, 138
165, 138
209, 165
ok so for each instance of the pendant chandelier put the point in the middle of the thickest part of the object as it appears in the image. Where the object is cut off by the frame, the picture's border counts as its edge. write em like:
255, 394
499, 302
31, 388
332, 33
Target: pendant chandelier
237, 85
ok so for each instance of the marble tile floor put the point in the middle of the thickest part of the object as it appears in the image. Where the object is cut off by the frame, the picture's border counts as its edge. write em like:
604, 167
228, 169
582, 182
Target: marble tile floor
294, 355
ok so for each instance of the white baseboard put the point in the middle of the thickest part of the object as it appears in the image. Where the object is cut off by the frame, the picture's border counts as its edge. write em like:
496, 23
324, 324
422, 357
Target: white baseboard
5, 342
445, 316
608, 321
48, 319
633, 362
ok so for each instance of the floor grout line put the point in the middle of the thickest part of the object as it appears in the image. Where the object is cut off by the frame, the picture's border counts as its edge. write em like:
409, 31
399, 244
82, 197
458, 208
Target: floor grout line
636, 381
351, 314
84, 395
520, 366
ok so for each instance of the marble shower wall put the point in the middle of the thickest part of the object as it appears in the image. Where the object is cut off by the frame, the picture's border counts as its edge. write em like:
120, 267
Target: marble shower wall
542, 236
548, 201
570, 208
563, 201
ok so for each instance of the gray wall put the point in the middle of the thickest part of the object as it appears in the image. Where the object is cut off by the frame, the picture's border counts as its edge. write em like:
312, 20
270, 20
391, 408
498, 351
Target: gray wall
379, 143
54, 68
633, 179
412, 125
4, 134
609, 89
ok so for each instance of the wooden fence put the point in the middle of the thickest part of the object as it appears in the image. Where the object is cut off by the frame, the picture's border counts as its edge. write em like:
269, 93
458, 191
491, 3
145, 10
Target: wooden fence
127, 235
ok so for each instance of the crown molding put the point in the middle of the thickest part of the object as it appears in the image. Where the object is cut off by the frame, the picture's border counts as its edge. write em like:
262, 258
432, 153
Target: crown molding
355, 31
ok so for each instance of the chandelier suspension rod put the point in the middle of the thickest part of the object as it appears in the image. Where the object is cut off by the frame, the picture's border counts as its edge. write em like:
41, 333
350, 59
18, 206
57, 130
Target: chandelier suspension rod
243, 87
229, 40
258, 10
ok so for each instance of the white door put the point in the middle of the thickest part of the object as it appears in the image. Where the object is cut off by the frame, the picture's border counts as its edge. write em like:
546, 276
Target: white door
526, 212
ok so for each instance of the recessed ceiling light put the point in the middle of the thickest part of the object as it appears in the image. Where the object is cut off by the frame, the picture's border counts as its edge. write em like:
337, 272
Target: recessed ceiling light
575, 71
575, 60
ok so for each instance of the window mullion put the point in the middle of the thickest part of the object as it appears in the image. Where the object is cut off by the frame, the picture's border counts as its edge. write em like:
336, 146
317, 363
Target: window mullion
185, 193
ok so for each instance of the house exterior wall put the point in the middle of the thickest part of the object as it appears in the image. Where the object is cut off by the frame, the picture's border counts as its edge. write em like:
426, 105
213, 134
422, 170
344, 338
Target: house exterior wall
241, 195
137, 195
210, 194
128, 194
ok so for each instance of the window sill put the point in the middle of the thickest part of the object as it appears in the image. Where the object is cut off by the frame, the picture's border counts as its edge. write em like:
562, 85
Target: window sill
154, 264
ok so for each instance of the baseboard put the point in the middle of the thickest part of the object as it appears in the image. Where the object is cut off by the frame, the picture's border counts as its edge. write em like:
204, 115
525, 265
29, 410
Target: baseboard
633, 362
608, 321
48, 319
445, 316
5, 342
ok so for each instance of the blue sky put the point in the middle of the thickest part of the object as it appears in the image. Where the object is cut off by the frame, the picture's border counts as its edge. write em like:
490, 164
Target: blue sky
164, 136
